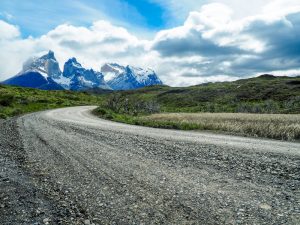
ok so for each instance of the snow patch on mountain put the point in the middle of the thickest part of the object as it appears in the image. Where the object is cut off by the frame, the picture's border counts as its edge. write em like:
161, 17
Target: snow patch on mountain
111, 71
75, 77
119, 77
63, 81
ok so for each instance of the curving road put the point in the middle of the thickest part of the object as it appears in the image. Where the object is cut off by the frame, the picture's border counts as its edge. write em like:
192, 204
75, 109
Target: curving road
122, 174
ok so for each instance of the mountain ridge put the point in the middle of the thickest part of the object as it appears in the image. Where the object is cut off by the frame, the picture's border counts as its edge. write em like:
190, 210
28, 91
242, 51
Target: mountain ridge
45, 73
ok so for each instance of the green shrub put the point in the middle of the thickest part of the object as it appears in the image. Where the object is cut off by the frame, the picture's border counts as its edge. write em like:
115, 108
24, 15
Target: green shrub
73, 97
133, 105
6, 100
60, 102
43, 100
24, 101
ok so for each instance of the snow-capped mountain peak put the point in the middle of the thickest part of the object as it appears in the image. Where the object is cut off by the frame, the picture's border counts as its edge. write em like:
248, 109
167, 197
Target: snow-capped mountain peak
111, 71
72, 67
75, 77
74, 62
46, 65
119, 77
49, 55
142, 75
38, 73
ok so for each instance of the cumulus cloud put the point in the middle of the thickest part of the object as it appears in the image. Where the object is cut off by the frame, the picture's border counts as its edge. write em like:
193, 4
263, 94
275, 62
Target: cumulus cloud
102, 42
211, 45
235, 48
281, 8
8, 31
94, 44
14, 49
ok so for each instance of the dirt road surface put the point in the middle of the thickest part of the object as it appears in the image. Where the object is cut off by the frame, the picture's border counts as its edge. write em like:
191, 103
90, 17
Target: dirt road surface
67, 166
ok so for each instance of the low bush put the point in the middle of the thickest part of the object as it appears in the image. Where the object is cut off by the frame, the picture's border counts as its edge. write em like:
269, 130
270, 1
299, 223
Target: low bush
134, 106
6, 100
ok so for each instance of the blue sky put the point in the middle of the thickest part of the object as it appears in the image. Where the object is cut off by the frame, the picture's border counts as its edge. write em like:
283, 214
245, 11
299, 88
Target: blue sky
35, 17
185, 41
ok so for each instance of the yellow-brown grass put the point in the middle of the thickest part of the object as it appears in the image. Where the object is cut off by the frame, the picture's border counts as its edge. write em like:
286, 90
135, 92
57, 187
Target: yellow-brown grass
277, 126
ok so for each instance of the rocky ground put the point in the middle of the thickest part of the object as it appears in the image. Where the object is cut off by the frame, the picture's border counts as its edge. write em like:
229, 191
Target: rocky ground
67, 167
27, 194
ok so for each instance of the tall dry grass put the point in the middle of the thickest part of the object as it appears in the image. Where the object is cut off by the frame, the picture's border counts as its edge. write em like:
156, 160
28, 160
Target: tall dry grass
276, 126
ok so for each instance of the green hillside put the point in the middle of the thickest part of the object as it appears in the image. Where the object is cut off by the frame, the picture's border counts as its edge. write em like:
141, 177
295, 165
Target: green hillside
264, 94
17, 100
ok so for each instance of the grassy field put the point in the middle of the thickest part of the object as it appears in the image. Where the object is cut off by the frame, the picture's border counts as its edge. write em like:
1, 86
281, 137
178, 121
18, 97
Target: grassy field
264, 106
274, 126
16, 100
277, 126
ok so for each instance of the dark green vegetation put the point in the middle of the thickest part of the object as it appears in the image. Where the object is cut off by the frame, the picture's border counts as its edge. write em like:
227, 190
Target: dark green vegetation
16, 100
265, 94
262, 95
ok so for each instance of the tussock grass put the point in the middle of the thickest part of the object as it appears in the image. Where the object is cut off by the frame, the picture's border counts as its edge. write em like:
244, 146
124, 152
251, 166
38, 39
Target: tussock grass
276, 126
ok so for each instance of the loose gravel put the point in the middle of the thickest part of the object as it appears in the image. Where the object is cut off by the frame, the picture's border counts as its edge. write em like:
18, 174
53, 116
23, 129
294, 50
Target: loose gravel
27, 193
76, 169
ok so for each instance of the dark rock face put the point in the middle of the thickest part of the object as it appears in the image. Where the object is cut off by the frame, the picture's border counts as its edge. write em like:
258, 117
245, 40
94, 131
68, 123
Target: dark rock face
34, 80
81, 78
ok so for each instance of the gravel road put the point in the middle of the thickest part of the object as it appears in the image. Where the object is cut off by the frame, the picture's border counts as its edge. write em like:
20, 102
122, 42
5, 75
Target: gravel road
66, 166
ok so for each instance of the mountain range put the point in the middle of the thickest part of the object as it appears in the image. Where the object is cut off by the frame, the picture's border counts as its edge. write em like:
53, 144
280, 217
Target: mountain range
44, 73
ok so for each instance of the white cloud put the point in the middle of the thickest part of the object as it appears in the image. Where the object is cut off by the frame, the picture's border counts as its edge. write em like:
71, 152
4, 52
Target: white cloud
14, 50
8, 31
281, 7
231, 47
93, 46
211, 15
